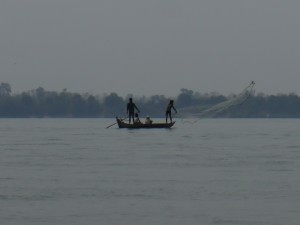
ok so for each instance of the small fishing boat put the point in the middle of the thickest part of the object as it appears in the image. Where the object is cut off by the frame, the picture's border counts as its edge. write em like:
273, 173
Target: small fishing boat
122, 124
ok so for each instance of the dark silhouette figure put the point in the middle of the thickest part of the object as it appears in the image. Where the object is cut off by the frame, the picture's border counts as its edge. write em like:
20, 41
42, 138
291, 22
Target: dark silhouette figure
148, 120
168, 110
130, 110
137, 119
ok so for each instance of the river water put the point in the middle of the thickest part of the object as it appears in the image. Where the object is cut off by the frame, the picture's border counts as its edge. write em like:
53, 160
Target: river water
215, 171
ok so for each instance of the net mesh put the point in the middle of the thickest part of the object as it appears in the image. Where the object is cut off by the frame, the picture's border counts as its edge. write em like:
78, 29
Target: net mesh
218, 108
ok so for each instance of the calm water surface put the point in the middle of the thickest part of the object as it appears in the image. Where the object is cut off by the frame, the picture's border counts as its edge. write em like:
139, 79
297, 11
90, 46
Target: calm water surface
216, 171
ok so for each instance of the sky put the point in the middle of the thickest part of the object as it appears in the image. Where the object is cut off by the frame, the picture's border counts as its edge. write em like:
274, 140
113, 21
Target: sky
150, 47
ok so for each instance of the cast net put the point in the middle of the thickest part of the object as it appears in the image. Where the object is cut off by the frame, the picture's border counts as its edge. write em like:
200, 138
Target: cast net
210, 112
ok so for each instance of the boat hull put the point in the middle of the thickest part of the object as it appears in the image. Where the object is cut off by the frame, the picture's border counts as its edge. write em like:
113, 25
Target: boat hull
122, 124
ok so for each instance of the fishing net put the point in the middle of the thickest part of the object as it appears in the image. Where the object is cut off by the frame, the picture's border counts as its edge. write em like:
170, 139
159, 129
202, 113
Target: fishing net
199, 113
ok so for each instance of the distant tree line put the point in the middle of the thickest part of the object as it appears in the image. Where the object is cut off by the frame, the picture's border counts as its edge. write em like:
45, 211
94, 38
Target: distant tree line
42, 103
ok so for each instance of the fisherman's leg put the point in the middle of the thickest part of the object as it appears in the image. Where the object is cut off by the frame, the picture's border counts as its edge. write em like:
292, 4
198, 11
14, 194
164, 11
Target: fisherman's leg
168, 114
166, 117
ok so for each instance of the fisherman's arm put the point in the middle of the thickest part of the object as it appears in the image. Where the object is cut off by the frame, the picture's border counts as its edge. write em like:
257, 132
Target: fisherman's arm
136, 108
174, 109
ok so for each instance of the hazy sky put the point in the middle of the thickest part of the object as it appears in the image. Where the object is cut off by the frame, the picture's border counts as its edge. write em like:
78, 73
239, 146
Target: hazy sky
148, 47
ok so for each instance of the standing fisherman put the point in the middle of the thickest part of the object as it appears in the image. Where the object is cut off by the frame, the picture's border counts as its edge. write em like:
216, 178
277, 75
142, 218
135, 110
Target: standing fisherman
168, 110
130, 110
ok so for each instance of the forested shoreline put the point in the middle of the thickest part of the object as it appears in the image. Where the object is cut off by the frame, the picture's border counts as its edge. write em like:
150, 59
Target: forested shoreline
40, 103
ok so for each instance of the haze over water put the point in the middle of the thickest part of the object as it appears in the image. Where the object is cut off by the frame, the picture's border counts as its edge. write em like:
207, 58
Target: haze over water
216, 171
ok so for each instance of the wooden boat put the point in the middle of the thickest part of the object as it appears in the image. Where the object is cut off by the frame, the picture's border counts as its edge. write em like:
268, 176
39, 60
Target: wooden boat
122, 124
